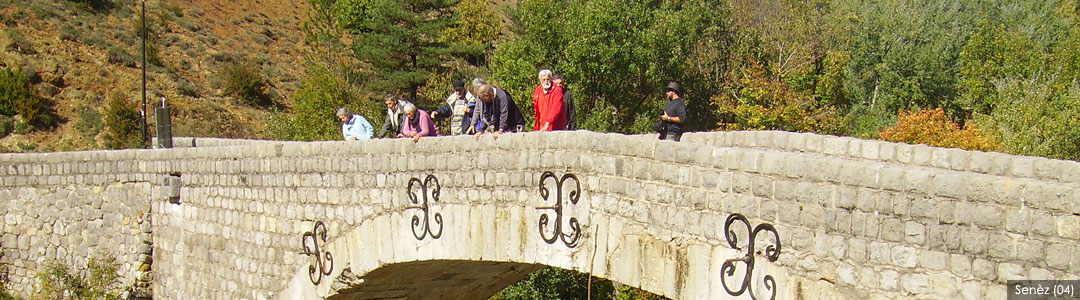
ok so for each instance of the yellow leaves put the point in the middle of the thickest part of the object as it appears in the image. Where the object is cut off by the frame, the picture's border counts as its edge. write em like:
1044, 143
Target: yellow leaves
762, 102
932, 127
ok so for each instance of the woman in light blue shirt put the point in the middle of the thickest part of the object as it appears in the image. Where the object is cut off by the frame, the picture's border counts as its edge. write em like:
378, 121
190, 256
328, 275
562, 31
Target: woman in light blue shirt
354, 127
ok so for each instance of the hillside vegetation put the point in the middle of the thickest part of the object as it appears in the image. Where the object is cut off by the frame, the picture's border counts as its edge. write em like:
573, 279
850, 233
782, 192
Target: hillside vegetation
78, 54
1000, 75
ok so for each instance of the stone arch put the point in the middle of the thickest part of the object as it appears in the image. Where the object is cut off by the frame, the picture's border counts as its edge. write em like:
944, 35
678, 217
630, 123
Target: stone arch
495, 246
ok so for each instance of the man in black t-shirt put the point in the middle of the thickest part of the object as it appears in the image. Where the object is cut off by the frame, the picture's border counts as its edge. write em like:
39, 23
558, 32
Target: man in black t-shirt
674, 118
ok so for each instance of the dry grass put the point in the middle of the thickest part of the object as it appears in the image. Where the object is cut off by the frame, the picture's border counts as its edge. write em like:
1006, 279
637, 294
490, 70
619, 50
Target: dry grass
71, 45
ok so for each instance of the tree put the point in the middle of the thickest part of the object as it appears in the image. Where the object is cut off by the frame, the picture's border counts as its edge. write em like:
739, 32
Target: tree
122, 124
932, 127
615, 54
762, 102
1035, 118
401, 41
992, 53
329, 84
313, 119
476, 28
18, 98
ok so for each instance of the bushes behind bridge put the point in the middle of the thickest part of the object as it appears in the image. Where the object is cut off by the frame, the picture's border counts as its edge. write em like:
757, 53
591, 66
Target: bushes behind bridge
932, 127
241, 79
99, 280
17, 97
122, 128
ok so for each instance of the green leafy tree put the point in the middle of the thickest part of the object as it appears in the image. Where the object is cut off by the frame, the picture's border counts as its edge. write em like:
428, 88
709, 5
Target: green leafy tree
616, 56
401, 41
329, 84
992, 53
1032, 117
762, 102
555, 283
317, 100
123, 130
476, 28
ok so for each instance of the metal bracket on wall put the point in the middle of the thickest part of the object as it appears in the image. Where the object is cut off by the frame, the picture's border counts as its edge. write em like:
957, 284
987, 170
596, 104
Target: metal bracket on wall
569, 238
323, 262
429, 184
771, 253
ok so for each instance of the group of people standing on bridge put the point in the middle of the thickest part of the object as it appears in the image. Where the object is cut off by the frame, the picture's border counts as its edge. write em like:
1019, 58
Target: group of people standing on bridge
483, 108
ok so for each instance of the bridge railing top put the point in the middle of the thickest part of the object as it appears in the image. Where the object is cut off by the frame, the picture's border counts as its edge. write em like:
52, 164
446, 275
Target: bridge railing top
698, 147
992, 163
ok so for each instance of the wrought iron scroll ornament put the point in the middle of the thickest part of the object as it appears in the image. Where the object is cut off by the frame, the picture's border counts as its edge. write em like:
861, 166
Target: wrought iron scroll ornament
772, 253
430, 183
569, 238
324, 261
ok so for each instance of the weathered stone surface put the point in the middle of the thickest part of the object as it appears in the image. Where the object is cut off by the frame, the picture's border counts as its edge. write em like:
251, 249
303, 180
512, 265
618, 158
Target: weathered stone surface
915, 283
881, 219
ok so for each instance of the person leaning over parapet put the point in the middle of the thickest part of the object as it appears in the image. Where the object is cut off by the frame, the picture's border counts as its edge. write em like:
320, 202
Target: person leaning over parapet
458, 108
478, 110
548, 104
568, 102
354, 127
417, 124
671, 123
499, 113
394, 116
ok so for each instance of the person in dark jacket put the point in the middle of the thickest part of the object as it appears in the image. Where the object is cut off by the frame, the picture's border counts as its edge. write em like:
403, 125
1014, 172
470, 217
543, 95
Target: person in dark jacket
674, 118
395, 115
497, 111
568, 102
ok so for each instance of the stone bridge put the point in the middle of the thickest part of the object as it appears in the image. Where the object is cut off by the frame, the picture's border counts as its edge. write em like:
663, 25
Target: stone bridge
454, 218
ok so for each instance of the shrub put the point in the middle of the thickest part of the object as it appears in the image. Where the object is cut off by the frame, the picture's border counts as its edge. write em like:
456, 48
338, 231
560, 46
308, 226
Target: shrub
932, 127
1035, 117
242, 80
187, 88
68, 33
14, 88
122, 124
120, 57
7, 125
21, 127
90, 123
17, 97
322, 93
94, 39
153, 37
95, 5
100, 280
17, 43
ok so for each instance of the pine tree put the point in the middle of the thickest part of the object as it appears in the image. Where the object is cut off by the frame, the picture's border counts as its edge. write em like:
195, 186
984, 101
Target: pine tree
401, 40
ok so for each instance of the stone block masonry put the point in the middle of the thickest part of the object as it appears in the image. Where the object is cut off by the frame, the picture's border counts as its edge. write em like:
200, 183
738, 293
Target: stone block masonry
856, 218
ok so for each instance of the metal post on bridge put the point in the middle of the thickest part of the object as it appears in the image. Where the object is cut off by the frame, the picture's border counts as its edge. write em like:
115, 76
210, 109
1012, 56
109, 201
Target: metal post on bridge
164, 126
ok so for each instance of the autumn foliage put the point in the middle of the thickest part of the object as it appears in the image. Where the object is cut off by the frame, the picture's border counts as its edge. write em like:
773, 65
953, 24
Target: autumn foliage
932, 127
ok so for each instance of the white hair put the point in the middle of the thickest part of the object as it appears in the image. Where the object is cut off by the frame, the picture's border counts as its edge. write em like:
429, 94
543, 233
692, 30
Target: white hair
409, 108
343, 112
484, 90
544, 73
476, 82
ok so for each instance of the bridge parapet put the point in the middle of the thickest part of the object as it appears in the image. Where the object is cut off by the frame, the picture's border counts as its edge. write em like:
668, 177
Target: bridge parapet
850, 225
